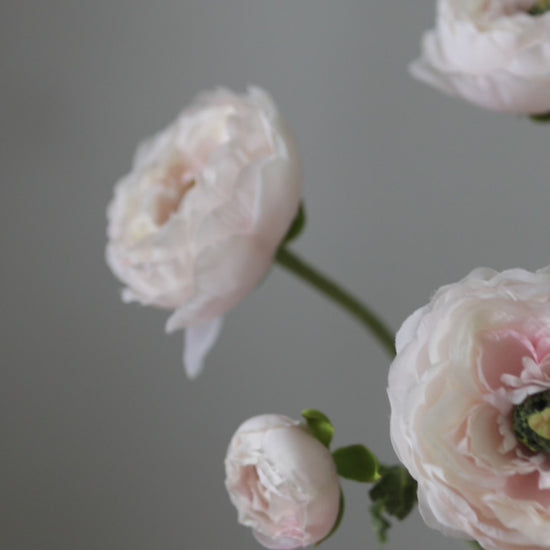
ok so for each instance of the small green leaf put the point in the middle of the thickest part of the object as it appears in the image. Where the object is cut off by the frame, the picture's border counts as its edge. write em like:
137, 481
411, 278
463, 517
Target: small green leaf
397, 489
319, 425
338, 519
379, 523
356, 462
475, 544
298, 225
394, 495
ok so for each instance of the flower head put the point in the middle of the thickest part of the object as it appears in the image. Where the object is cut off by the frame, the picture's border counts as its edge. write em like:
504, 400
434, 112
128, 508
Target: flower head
283, 482
494, 53
465, 391
194, 226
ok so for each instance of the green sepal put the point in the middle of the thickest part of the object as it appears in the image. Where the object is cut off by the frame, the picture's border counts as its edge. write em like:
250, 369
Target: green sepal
541, 7
394, 495
319, 426
297, 226
338, 519
541, 119
357, 463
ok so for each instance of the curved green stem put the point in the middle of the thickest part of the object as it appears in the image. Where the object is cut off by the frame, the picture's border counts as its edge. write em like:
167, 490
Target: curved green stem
340, 296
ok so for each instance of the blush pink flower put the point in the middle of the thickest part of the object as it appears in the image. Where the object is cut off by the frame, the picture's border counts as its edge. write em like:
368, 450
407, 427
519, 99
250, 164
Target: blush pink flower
465, 362
490, 52
194, 226
282, 481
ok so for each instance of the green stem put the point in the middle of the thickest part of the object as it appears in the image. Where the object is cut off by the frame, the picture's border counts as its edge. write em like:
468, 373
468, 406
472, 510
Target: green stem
475, 545
337, 294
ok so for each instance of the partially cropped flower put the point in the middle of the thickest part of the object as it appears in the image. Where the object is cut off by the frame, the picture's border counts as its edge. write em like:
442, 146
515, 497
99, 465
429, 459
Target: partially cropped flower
195, 225
494, 53
282, 481
470, 398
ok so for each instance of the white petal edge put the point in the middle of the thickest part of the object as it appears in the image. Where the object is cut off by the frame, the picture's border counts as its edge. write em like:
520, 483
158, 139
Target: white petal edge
199, 340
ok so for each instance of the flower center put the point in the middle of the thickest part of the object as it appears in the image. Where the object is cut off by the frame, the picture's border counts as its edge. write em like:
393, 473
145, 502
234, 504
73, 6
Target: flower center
532, 422
173, 185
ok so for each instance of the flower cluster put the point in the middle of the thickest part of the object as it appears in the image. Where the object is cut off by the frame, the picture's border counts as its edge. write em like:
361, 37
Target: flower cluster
196, 225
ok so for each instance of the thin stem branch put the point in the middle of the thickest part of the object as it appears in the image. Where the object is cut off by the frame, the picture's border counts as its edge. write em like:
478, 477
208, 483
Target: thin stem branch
289, 260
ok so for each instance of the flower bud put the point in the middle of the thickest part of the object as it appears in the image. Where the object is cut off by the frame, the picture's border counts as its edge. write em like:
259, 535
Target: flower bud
283, 482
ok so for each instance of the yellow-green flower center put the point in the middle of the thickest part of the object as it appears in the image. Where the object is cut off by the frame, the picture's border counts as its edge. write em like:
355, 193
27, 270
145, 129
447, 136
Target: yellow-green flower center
531, 421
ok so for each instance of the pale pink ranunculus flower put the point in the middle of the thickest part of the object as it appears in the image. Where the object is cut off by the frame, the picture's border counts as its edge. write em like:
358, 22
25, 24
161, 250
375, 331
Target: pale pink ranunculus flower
282, 481
464, 362
491, 53
194, 226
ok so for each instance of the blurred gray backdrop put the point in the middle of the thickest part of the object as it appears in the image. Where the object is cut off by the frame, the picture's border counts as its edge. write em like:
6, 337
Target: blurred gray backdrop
105, 444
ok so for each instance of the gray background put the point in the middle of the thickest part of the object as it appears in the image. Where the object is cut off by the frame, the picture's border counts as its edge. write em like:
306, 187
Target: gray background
105, 444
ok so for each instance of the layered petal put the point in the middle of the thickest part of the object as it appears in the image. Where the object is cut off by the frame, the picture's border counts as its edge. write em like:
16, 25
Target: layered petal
464, 362
282, 481
195, 225
491, 53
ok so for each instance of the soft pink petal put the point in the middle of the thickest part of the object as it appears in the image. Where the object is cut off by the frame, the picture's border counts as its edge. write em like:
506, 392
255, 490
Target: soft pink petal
199, 340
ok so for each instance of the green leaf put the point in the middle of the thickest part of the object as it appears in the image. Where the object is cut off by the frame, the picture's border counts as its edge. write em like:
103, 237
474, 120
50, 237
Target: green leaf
394, 495
356, 462
475, 544
397, 490
379, 523
319, 425
298, 225
338, 519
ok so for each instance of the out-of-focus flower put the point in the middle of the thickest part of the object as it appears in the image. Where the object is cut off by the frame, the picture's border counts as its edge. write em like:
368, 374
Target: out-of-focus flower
195, 225
283, 482
470, 406
493, 53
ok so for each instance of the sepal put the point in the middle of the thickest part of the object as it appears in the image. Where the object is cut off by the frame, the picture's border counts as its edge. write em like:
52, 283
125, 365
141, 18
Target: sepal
357, 463
319, 426
297, 226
